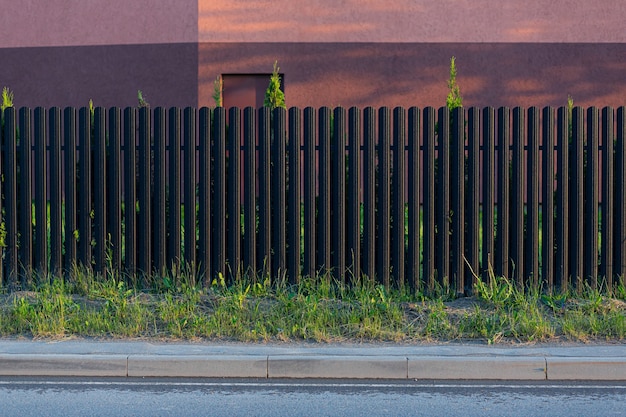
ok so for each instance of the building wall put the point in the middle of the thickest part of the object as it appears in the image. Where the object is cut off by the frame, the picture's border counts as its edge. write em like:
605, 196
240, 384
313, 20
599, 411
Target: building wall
349, 52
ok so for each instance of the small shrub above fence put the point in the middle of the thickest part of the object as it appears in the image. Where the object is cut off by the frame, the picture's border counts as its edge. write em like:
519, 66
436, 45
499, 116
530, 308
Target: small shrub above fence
405, 196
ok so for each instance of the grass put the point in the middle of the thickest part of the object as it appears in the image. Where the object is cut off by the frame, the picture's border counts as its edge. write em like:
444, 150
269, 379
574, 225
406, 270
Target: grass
319, 310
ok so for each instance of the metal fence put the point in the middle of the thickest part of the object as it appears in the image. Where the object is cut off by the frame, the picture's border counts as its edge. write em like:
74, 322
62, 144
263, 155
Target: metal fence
409, 196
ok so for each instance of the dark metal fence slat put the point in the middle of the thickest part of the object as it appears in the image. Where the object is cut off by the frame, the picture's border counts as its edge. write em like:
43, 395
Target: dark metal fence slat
234, 194
130, 189
561, 275
26, 197
278, 186
489, 192
414, 203
265, 212
442, 199
369, 190
338, 197
250, 213
99, 191
309, 192
204, 193
324, 200
577, 197
219, 207
608, 212
503, 215
145, 191
547, 199
473, 198
398, 202
429, 199
591, 194
532, 219
517, 198
56, 237
457, 200
189, 138
353, 205
160, 232
10, 202
114, 187
41, 192
294, 200
384, 193
175, 193
620, 195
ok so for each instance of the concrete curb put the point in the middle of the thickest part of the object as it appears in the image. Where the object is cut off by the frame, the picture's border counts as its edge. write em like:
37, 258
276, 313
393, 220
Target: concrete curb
316, 366
138, 358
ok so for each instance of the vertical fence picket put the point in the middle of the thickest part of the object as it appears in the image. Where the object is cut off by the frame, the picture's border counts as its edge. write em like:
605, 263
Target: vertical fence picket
278, 186
517, 198
56, 222
414, 203
429, 198
591, 199
397, 203
442, 200
26, 196
473, 198
489, 191
10, 187
41, 192
144, 241
265, 213
189, 138
620, 194
384, 193
309, 193
249, 237
353, 205
219, 207
369, 196
607, 209
338, 197
234, 193
130, 190
99, 191
174, 221
324, 196
293, 203
204, 195
160, 232
577, 197
503, 216
457, 200
531, 268
561, 274
547, 199
114, 187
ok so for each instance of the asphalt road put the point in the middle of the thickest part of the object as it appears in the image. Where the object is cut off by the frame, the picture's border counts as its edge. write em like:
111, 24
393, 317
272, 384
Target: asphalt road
21, 396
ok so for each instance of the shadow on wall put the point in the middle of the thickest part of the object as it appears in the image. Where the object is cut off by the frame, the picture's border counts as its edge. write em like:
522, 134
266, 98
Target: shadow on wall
109, 75
403, 74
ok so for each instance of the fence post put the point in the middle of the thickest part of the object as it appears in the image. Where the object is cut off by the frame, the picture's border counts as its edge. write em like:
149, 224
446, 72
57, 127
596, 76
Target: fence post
234, 193
145, 192
11, 205
219, 201
41, 193
174, 223
620, 197
517, 198
279, 185
443, 199
189, 119
114, 210
160, 232
473, 198
383, 191
562, 203
532, 219
338, 197
324, 199
99, 181
249, 237
591, 199
503, 222
265, 213
204, 221
457, 200
577, 197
